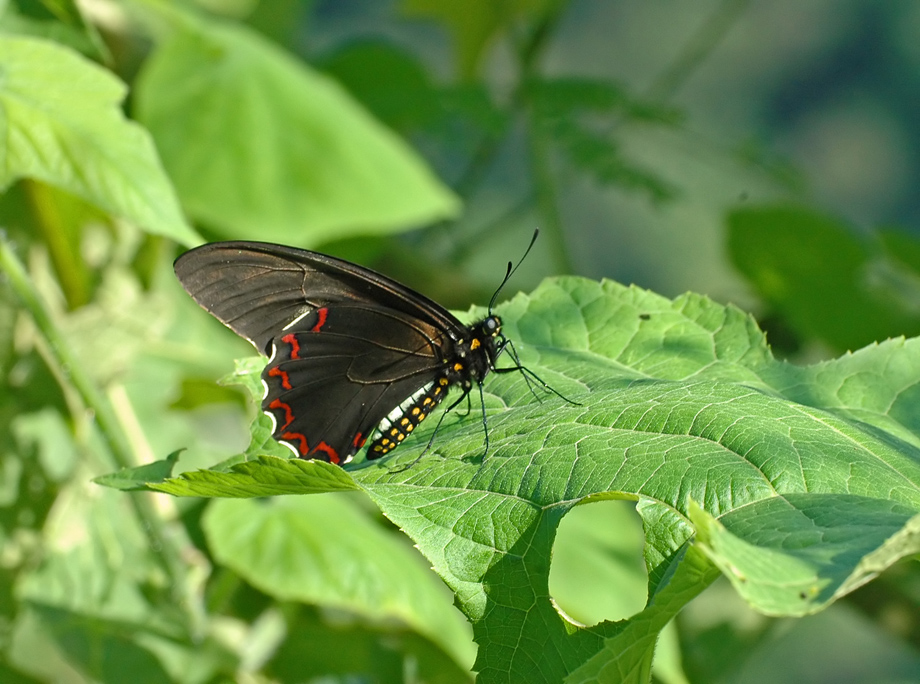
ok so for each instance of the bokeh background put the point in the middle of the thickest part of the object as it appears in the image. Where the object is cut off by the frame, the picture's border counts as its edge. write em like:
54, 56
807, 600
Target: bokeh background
764, 154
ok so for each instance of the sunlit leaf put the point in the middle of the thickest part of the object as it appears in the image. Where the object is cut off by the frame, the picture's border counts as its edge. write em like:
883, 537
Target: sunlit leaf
62, 124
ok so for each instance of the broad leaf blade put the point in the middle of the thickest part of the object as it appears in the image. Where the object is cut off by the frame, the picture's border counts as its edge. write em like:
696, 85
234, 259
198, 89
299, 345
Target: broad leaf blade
793, 555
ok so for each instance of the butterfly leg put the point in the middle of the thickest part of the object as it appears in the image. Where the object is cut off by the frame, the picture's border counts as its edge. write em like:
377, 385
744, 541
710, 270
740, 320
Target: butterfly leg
528, 374
435, 432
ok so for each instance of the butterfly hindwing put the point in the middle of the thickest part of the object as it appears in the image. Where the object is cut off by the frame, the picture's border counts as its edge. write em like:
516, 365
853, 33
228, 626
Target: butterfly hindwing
338, 372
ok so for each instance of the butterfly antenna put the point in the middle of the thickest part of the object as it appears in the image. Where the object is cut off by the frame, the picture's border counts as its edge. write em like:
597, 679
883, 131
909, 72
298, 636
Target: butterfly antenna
510, 271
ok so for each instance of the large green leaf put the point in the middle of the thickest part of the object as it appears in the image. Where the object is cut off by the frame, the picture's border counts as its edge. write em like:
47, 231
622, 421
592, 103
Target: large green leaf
260, 145
801, 481
62, 124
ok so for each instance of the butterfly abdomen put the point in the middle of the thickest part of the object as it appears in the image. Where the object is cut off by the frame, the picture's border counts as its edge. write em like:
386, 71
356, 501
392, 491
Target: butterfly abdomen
406, 417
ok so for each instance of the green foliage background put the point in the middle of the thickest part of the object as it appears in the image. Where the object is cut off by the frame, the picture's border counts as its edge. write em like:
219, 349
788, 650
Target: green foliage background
704, 513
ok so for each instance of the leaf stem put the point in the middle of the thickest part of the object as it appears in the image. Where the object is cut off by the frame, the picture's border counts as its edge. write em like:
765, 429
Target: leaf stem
550, 223
695, 50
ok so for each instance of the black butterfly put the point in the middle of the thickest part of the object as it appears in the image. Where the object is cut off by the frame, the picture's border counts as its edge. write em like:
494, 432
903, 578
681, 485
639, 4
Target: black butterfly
349, 349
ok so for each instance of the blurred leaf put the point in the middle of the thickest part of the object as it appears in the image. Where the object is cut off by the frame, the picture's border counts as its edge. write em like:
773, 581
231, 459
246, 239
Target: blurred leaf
581, 115
58, 20
47, 431
902, 247
61, 219
390, 82
818, 274
63, 126
104, 650
260, 146
567, 97
354, 651
323, 551
394, 85
597, 572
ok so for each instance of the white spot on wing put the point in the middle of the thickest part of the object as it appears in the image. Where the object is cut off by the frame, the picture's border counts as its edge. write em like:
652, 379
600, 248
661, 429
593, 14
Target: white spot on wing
290, 446
273, 419
298, 319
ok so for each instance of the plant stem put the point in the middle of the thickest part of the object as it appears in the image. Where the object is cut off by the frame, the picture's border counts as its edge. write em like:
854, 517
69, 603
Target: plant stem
166, 551
695, 50
544, 179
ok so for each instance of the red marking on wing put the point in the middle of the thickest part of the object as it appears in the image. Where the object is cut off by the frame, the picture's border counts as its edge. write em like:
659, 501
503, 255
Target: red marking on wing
329, 451
288, 413
359, 441
301, 442
321, 314
291, 339
278, 373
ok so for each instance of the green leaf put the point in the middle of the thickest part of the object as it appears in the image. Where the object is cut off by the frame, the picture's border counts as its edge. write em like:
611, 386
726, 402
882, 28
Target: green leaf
680, 404
475, 24
84, 639
260, 145
324, 551
137, 479
794, 555
267, 476
62, 125
578, 115
627, 656
389, 81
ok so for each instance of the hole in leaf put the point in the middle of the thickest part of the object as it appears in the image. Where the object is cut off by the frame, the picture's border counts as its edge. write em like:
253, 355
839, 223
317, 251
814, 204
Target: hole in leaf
598, 571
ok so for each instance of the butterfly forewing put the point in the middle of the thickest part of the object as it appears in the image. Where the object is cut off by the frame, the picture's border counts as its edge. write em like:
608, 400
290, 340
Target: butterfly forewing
257, 288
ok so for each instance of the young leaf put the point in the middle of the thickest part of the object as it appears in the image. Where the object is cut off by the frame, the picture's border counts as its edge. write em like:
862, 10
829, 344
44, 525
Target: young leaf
820, 275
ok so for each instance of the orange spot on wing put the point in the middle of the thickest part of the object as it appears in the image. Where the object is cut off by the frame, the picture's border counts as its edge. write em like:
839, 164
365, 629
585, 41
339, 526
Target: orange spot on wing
288, 413
299, 441
321, 314
278, 373
329, 451
291, 339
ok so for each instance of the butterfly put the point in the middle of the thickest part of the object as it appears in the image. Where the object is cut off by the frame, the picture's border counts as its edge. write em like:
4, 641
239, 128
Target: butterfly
353, 355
